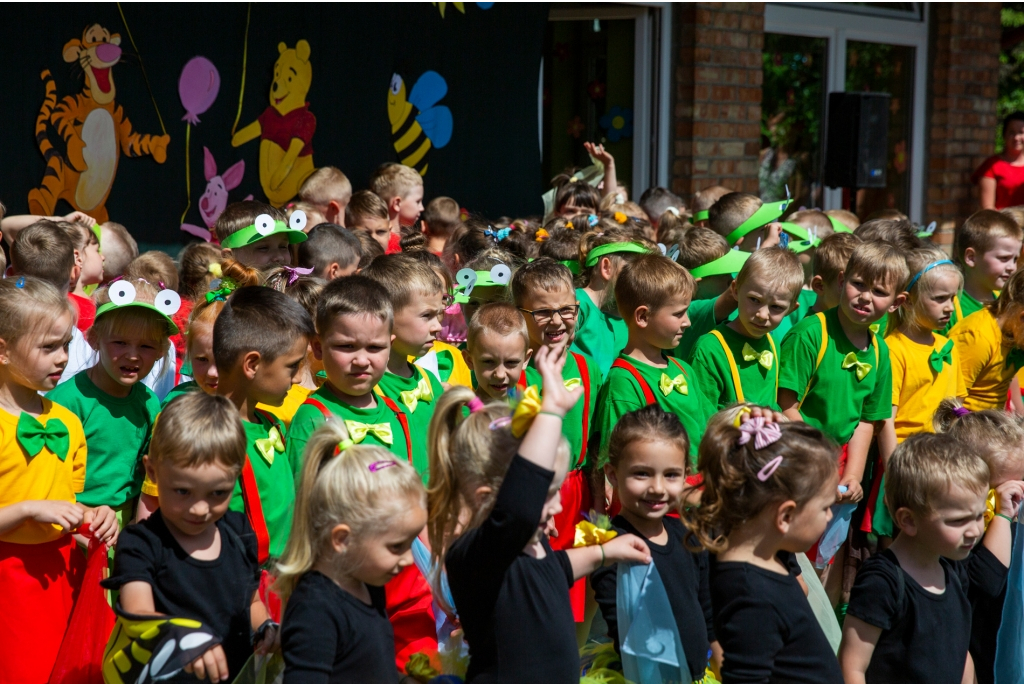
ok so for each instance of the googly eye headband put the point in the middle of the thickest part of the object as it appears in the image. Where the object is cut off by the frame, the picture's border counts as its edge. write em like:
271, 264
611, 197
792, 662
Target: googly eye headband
265, 226
468, 279
123, 294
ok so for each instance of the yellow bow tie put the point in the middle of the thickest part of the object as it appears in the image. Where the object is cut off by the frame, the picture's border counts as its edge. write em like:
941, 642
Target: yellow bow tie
572, 383
526, 411
666, 384
588, 534
861, 368
422, 391
765, 359
874, 328
269, 445
357, 432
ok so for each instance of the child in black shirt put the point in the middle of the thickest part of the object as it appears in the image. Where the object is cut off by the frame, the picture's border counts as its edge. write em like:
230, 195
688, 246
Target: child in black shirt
647, 458
357, 513
490, 509
768, 492
192, 558
998, 437
909, 619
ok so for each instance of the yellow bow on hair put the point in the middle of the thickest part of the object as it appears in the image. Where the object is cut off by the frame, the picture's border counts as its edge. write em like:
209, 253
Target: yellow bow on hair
572, 383
991, 506
679, 384
862, 369
269, 445
765, 359
214, 270
422, 391
526, 411
358, 431
588, 534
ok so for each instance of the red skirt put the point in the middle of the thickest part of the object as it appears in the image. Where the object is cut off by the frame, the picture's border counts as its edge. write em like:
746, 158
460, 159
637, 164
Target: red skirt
410, 608
39, 584
576, 500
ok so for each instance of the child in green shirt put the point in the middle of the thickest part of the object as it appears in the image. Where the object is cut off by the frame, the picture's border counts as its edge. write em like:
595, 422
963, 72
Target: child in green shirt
653, 295
416, 294
739, 361
986, 247
829, 262
707, 257
259, 345
497, 351
600, 332
835, 372
133, 323
354, 321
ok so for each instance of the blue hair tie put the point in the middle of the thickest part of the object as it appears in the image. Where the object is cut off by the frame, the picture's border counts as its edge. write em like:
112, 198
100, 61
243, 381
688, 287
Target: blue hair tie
498, 235
925, 270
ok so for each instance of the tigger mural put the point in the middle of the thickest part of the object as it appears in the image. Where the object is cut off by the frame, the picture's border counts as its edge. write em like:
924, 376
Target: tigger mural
93, 128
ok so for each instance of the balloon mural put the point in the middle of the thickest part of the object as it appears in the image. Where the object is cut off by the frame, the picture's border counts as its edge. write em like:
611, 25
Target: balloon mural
198, 86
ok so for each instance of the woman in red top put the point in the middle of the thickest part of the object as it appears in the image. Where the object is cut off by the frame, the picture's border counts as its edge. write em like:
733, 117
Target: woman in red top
1001, 177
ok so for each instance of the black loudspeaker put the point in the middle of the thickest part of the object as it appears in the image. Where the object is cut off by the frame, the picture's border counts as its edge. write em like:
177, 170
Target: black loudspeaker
857, 142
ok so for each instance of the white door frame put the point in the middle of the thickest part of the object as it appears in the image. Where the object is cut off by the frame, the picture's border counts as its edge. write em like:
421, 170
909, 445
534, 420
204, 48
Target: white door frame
799, 19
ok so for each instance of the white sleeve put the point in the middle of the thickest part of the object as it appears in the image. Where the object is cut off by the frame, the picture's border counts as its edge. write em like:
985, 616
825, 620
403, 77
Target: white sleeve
161, 379
81, 356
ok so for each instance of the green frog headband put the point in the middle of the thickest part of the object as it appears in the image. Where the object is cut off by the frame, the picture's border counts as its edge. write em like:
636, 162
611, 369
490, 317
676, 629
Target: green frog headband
926, 232
729, 263
265, 226
613, 248
468, 279
766, 213
837, 225
123, 294
701, 215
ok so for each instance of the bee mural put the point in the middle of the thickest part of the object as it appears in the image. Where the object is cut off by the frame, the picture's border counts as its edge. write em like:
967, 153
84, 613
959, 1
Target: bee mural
417, 121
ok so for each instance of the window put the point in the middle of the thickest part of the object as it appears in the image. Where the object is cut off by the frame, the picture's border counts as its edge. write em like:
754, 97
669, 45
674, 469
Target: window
855, 46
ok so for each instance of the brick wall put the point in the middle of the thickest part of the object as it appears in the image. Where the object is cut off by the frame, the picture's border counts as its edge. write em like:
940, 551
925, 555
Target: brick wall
963, 91
717, 109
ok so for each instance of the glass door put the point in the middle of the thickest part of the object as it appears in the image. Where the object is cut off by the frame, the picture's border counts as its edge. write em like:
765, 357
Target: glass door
792, 116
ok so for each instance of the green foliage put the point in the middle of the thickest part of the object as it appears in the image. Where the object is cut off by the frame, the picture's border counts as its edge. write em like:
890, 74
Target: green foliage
1011, 70
792, 99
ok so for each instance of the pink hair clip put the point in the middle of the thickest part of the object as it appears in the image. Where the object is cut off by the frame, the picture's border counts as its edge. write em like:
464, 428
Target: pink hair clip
295, 272
501, 422
475, 405
381, 465
763, 432
770, 468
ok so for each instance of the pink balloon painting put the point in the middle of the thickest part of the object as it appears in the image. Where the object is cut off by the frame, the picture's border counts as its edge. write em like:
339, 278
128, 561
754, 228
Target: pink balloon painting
198, 87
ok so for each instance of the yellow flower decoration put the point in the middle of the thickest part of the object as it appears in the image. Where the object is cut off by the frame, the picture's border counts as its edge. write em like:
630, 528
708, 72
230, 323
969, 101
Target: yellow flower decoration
588, 534
214, 270
620, 217
526, 411
541, 235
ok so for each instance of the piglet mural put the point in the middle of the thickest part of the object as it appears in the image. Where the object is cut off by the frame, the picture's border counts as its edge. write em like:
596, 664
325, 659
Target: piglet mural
215, 198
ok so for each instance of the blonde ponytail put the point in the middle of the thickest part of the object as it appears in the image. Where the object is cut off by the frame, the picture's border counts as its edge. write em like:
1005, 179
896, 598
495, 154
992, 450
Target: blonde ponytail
364, 487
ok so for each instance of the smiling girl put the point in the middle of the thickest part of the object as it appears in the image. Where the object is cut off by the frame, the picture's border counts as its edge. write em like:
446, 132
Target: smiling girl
116, 409
647, 463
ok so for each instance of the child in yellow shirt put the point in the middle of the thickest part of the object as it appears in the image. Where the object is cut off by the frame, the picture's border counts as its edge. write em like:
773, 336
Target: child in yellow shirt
925, 365
991, 345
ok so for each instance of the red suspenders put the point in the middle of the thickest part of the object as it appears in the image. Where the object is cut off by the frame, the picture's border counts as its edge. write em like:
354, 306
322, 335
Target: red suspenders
399, 414
253, 504
620, 363
581, 363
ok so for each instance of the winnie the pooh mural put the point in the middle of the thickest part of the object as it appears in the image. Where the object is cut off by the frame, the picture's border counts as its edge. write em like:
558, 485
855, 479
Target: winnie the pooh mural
285, 128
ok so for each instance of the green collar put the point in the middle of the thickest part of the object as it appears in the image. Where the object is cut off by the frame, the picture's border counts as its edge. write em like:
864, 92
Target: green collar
613, 248
729, 263
264, 226
767, 213
572, 265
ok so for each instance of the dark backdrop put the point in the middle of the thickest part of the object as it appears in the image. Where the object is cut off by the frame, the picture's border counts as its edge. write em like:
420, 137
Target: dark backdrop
490, 59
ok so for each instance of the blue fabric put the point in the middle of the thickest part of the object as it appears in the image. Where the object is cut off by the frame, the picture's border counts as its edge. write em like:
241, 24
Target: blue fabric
1009, 665
835, 533
651, 650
